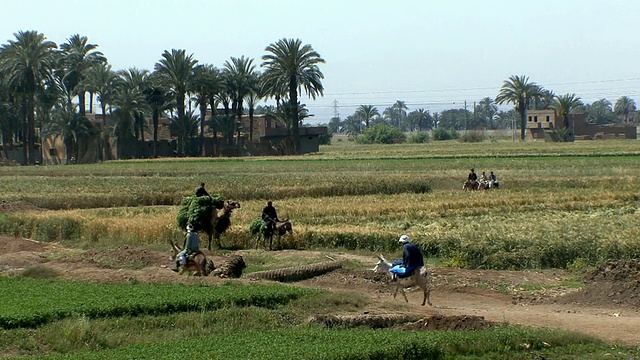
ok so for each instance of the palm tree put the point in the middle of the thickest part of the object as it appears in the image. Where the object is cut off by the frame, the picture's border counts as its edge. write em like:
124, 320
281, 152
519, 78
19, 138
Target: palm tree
600, 112
252, 98
176, 70
78, 57
137, 80
70, 125
289, 62
102, 81
565, 105
423, 119
159, 100
487, 109
206, 85
185, 127
26, 62
239, 81
399, 112
366, 113
519, 91
130, 103
625, 107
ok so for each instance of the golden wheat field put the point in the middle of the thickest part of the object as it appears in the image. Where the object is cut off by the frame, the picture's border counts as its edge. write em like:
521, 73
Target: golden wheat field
560, 204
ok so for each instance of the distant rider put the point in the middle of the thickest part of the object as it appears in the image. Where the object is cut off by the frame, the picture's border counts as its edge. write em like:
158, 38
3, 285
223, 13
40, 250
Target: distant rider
494, 180
473, 176
270, 216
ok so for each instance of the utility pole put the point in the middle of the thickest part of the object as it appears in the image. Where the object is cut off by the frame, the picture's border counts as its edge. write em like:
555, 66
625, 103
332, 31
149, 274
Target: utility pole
465, 115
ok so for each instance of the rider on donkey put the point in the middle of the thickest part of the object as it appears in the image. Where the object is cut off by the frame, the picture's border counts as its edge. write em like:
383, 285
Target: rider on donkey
412, 258
270, 216
191, 246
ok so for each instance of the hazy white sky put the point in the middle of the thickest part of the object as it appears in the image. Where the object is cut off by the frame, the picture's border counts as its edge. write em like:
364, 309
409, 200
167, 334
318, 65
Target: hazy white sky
431, 54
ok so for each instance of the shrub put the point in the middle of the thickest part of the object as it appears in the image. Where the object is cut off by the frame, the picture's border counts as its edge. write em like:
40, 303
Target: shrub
445, 134
472, 137
419, 137
381, 134
325, 139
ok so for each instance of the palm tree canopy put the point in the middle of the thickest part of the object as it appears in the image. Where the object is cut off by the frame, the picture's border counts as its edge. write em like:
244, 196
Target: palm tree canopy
27, 61
518, 91
289, 61
176, 68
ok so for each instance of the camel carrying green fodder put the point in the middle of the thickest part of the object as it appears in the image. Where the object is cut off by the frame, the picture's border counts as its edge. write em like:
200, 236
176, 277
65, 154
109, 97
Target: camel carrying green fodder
202, 213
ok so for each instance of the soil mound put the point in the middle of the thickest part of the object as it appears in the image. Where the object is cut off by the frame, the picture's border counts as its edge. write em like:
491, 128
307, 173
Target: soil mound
122, 257
455, 322
7, 207
613, 282
9, 245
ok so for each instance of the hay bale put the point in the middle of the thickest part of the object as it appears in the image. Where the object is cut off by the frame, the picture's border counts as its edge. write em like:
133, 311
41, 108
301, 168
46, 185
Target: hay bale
198, 210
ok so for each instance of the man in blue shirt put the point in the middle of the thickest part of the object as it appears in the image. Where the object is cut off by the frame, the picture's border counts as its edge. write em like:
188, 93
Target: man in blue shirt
412, 258
191, 246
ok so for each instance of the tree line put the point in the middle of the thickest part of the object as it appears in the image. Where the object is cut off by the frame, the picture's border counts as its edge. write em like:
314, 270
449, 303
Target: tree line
518, 90
44, 88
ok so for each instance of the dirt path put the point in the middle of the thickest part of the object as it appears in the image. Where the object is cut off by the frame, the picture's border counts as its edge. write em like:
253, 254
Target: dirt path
607, 314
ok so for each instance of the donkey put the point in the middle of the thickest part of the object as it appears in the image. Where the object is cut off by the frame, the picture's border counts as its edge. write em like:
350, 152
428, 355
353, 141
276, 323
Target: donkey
281, 229
419, 277
197, 263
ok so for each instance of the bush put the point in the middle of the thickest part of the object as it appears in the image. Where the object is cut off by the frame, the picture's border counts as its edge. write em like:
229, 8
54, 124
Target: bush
445, 134
326, 138
381, 134
419, 137
472, 137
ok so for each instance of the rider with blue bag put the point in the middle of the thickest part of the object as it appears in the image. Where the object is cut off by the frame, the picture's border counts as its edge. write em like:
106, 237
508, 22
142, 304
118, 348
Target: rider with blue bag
412, 258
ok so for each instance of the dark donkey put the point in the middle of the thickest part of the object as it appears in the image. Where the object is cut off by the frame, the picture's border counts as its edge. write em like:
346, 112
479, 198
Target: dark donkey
280, 230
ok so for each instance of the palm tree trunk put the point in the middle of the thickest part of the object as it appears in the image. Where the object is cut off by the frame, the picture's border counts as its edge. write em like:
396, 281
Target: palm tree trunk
203, 112
293, 97
251, 123
156, 116
83, 106
90, 102
104, 131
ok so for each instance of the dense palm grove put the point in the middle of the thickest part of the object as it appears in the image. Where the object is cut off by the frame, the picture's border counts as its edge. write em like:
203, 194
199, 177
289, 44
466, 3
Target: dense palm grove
44, 89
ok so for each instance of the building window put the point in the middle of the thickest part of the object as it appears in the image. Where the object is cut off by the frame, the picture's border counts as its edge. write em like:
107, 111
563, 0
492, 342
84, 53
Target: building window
535, 119
530, 118
548, 118
53, 152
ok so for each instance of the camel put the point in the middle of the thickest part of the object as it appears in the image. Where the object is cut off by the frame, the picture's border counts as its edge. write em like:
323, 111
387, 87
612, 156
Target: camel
197, 263
420, 278
220, 221
281, 229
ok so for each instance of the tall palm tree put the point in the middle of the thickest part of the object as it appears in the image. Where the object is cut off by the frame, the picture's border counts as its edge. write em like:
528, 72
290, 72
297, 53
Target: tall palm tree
625, 107
565, 105
159, 99
104, 82
519, 91
422, 118
70, 125
137, 80
130, 104
366, 113
26, 62
78, 57
176, 70
289, 62
239, 81
206, 85
487, 109
399, 112
252, 98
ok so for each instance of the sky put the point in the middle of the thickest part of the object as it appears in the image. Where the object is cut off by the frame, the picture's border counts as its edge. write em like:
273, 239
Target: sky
434, 55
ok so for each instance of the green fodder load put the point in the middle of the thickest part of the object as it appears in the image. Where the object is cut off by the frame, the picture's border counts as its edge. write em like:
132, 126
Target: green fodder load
197, 211
256, 226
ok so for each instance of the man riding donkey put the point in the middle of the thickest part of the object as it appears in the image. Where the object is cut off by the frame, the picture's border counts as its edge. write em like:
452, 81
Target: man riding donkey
191, 246
412, 258
270, 216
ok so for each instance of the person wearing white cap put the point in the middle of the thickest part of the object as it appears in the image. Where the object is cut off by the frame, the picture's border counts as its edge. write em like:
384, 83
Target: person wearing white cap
411, 258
